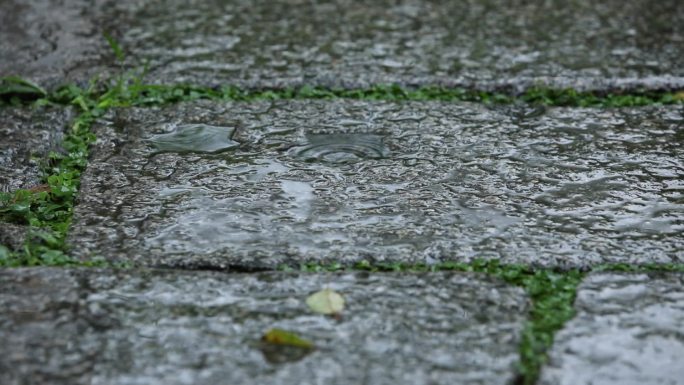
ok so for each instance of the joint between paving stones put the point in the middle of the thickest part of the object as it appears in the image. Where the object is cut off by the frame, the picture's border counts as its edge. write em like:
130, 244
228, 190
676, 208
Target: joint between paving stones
131, 91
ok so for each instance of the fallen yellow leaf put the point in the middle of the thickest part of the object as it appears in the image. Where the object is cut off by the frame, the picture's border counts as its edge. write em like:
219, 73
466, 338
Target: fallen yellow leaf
326, 301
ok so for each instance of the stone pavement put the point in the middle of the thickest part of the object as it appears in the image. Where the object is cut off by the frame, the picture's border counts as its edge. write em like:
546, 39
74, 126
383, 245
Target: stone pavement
244, 186
476, 43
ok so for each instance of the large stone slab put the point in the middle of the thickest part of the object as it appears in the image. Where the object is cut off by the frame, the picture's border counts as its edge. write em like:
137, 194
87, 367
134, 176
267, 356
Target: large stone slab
164, 327
484, 44
344, 181
341, 43
628, 330
55, 42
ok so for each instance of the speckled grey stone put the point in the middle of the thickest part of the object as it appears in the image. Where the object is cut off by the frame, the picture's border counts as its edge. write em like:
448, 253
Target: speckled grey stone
344, 181
476, 43
607, 45
103, 327
53, 42
28, 136
629, 330
12, 236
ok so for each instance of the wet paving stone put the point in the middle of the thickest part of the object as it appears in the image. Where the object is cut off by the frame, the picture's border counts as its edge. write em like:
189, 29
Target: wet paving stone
342, 43
54, 42
345, 181
628, 330
27, 137
164, 327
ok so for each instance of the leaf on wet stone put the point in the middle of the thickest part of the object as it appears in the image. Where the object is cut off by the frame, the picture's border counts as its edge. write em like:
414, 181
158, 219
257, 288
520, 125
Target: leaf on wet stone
286, 338
326, 301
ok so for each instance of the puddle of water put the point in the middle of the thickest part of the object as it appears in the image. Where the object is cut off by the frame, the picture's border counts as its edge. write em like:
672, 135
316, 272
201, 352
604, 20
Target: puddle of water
195, 138
341, 148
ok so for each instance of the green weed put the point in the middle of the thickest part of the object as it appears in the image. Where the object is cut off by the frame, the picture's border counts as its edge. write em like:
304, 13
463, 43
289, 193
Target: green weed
16, 91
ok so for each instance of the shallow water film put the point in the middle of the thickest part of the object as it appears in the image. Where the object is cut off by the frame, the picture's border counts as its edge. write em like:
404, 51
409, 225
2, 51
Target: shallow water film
346, 181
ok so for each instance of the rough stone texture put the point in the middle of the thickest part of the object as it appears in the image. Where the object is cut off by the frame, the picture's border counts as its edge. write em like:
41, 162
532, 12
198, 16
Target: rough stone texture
53, 42
629, 330
28, 136
12, 236
343, 181
485, 44
162, 327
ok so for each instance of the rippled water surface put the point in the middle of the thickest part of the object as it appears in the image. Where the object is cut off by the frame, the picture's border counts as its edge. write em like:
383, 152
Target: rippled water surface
194, 138
414, 182
341, 148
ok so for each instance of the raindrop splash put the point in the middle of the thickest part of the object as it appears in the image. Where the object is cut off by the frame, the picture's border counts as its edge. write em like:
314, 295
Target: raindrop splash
198, 138
341, 148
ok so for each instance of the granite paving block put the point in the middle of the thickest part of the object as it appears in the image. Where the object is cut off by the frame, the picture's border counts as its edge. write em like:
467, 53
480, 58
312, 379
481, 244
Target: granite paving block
256, 185
485, 44
12, 236
55, 42
490, 44
167, 327
629, 330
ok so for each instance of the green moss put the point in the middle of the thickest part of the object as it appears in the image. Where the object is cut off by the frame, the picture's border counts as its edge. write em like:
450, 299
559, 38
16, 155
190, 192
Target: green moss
129, 90
47, 211
138, 94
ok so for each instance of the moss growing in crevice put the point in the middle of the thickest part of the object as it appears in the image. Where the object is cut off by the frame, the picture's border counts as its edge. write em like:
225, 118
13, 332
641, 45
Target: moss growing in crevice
130, 90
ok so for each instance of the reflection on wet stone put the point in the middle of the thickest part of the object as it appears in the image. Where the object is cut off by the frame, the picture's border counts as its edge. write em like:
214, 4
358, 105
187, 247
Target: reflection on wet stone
194, 138
343, 181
